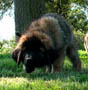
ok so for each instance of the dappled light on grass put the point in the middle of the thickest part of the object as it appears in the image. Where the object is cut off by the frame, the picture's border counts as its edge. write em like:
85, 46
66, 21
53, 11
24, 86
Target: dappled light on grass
20, 83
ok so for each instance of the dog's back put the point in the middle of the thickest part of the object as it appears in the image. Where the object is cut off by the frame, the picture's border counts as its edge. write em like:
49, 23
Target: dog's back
54, 26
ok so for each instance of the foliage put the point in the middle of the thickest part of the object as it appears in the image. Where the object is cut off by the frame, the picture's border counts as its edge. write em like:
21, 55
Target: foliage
4, 6
82, 3
79, 39
59, 6
73, 10
78, 18
7, 46
64, 6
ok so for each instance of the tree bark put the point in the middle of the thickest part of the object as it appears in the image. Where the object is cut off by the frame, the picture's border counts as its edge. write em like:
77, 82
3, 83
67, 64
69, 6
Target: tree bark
27, 11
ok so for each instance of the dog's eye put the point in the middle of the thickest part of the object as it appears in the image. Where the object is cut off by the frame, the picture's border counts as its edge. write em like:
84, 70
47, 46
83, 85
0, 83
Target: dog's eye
42, 49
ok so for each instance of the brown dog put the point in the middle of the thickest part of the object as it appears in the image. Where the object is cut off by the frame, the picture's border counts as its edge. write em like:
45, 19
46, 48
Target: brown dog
86, 42
45, 43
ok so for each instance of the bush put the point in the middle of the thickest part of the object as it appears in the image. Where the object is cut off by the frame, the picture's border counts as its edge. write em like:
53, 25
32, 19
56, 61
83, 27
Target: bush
79, 38
7, 46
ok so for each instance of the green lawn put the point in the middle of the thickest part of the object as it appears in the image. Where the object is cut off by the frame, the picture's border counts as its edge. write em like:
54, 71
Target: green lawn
12, 76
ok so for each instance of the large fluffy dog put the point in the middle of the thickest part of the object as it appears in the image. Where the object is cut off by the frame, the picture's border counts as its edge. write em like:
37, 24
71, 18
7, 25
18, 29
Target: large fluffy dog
86, 42
45, 43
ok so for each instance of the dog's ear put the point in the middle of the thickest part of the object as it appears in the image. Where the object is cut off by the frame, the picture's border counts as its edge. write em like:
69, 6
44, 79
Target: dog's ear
16, 55
18, 34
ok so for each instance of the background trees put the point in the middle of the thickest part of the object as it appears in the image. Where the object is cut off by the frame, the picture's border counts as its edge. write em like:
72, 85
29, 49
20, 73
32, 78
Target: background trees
28, 10
73, 10
4, 6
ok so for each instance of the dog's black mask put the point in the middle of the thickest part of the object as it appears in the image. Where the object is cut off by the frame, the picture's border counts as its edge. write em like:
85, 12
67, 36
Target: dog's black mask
33, 54
33, 59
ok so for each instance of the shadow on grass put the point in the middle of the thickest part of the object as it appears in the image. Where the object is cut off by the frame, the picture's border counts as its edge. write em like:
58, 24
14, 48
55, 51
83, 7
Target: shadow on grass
8, 68
65, 75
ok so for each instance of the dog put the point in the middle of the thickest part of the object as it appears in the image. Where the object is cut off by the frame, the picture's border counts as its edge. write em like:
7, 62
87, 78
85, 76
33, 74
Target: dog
86, 42
46, 42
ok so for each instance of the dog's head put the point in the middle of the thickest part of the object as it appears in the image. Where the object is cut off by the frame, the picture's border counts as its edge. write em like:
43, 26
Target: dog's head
31, 52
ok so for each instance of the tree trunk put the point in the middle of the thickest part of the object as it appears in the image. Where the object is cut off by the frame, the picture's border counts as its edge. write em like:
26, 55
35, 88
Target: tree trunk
27, 11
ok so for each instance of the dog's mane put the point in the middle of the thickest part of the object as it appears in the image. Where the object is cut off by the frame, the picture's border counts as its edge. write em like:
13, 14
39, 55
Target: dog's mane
43, 29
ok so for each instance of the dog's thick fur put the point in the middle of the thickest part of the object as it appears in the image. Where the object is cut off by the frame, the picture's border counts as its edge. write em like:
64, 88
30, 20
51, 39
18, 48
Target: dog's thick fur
47, 41
86, 42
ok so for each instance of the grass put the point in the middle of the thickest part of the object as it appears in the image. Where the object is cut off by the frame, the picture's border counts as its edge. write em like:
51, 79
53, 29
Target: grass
12, 76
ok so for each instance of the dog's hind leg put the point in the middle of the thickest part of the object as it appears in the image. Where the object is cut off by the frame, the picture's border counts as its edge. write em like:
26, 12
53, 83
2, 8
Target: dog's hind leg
57, 65
74, 57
